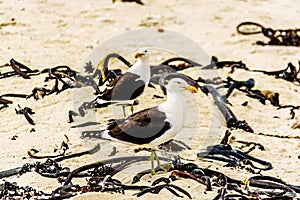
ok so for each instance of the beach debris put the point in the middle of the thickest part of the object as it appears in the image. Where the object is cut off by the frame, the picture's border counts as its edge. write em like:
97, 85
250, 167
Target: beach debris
251, 146
13, 191
124, 162
171, 66
216, 64
43, 168
278, 136
109, 184
99, 177
169, 187
14, 137
245, 103
227, 185
234, 157
231, 120
18, 69
39, 93
12, 22
290, 73
88, 152
102, 72
60, 152
264, 95
63, 74
292, 107
284, 37
5, 101
62, 155
233, 84
26, 112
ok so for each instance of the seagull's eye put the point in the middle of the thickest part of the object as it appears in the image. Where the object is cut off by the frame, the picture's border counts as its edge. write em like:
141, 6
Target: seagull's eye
146, 51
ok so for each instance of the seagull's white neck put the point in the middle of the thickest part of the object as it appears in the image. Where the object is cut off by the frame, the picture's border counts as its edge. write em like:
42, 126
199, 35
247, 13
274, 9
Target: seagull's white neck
174, 107
142, 68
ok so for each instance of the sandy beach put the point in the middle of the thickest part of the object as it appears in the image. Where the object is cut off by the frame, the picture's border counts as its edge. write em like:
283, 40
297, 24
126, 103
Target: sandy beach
45, 34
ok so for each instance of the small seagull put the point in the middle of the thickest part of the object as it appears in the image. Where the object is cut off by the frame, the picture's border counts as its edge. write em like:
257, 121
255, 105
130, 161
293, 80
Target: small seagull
130, 85
152, 126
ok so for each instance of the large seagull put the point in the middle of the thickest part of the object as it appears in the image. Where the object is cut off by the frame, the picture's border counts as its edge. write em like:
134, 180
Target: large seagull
152, 126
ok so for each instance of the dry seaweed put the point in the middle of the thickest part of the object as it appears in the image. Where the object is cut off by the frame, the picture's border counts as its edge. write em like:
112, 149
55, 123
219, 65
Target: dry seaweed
284, 37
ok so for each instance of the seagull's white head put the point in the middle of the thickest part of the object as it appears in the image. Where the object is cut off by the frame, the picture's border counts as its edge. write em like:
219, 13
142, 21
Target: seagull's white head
143, 54
142, 65
179, 85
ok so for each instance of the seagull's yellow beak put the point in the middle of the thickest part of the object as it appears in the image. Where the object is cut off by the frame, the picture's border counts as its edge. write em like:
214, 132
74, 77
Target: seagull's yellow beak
138, 54
192, 89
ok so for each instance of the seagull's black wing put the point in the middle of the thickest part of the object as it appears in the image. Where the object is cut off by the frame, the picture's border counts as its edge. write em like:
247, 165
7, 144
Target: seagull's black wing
141, 127
127, 86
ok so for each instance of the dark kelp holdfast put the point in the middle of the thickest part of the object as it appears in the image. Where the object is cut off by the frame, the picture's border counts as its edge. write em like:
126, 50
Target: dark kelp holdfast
285, 37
